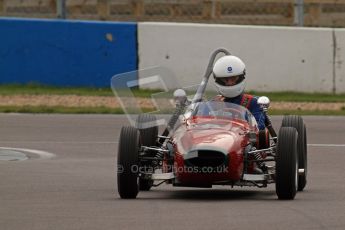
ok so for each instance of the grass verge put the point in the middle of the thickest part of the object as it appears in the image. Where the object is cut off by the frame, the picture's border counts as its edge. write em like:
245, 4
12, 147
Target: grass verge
37, 89
60, 109
65, 110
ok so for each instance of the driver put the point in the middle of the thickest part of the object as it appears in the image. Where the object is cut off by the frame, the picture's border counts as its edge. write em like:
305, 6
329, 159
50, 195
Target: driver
229, 74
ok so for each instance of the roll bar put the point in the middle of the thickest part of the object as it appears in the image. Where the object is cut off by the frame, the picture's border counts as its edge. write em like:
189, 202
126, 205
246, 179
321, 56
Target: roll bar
201, 90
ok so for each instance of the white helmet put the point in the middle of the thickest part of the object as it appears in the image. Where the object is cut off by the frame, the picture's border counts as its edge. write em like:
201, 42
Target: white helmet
227, 67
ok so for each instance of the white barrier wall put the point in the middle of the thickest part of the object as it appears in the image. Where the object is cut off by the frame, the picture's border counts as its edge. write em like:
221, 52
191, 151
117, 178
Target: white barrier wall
277, 58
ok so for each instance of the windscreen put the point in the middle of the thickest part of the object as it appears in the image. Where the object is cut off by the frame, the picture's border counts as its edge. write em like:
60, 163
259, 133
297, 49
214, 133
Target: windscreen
223, 110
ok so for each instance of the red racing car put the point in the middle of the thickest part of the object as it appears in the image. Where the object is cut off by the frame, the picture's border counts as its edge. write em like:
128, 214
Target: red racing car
212, 143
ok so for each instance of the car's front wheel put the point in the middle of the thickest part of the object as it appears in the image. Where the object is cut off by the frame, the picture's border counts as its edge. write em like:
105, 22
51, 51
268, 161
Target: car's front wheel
298, 124
286, 164
128, 163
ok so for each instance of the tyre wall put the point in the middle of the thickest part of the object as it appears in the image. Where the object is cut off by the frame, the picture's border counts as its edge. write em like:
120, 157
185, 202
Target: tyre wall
65, 53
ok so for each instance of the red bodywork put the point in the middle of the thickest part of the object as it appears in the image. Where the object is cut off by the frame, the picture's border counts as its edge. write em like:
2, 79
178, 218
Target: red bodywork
218, 136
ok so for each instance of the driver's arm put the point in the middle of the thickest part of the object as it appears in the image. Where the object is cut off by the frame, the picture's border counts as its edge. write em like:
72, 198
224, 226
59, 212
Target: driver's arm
257, 112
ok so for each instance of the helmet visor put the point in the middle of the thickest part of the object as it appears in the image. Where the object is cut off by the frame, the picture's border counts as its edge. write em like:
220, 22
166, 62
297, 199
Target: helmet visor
230, 81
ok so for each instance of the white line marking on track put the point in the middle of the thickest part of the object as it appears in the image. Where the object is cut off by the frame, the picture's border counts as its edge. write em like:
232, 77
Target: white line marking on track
42, 154
327, 145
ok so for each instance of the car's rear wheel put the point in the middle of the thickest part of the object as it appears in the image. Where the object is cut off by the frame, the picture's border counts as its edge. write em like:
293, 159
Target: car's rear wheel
148, 128
264, 139
298, 124
128, 163
287, 164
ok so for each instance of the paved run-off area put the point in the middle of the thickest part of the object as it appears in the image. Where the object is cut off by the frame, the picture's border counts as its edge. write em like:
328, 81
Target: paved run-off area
112, 102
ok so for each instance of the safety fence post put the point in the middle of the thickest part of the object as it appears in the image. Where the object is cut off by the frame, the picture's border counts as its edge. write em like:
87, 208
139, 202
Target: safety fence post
61, 9
299, 13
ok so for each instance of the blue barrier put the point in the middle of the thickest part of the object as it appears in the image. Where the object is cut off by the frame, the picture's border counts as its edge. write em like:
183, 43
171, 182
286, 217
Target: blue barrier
65, 53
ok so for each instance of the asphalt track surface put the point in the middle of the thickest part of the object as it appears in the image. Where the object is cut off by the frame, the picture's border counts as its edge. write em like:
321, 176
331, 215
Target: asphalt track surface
76, 187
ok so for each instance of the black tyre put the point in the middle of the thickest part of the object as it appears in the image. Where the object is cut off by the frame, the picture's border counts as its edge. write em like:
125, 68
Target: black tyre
298, 124
145, 184
127, 163
264, 139
146, 123
302, 179
287, 164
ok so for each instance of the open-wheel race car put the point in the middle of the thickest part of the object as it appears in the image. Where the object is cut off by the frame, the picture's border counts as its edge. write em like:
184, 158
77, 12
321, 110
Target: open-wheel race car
212, 143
